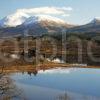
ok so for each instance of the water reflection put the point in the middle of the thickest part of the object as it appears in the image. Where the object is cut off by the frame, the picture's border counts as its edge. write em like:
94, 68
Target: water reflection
35, 72
50, 84
59, 70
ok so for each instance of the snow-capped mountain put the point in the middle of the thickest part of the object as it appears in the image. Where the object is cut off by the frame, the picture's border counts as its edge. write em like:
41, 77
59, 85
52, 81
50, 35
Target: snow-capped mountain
15, 20
16, 24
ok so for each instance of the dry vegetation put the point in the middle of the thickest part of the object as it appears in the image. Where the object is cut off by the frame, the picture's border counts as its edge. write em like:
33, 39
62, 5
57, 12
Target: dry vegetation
46, 48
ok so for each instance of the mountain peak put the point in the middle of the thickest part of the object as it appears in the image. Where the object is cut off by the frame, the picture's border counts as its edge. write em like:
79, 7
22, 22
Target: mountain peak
95, 21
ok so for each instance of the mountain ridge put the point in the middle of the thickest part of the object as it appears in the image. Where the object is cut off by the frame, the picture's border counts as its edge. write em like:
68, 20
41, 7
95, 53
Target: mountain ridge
38, 25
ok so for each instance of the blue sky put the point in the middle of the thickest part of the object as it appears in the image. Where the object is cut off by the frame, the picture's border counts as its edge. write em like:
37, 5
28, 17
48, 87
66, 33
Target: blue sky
83, 10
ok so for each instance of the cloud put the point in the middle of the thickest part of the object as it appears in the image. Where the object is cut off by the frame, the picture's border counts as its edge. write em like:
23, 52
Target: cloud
65, 15
46, 10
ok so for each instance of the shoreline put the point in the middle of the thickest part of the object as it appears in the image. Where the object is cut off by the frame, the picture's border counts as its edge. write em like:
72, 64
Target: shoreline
34, 68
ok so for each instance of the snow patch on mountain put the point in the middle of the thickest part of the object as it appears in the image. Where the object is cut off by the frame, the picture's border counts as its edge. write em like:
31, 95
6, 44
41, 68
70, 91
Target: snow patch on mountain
13, 20
38, 18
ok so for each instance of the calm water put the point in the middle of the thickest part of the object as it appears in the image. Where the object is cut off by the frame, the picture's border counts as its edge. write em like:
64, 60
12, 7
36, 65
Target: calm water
60, 84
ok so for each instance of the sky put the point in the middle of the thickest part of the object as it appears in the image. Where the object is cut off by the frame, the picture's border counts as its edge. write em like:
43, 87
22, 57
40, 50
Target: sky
75, 11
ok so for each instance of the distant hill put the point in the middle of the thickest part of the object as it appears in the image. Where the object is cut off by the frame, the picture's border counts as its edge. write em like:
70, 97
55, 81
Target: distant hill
93, 26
